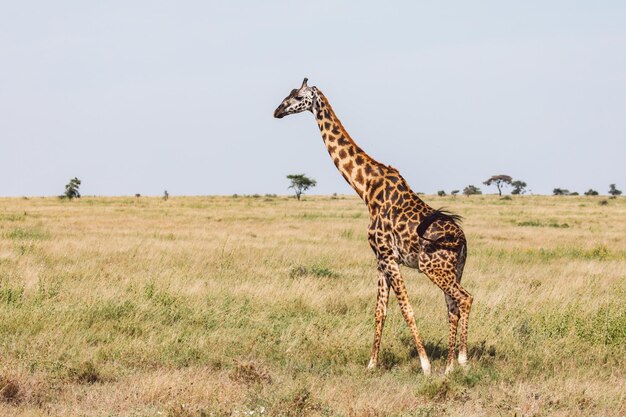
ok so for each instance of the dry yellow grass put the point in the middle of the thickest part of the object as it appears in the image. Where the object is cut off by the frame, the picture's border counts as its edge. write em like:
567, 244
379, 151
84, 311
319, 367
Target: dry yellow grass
227, 306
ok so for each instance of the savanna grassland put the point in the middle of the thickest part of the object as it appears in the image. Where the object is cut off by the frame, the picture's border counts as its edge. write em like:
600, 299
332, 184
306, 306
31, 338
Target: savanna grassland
226, 306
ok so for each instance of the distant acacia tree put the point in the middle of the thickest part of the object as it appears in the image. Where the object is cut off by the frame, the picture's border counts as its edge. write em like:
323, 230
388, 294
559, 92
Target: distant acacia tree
591, 191
614, 191
454, 192
560, 191
499, 181
71, 188
166, 195
471, 190
519, 187
300, 183
441, 193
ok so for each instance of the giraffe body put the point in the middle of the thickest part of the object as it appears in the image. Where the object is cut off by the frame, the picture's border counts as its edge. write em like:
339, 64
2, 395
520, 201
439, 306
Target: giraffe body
403, 230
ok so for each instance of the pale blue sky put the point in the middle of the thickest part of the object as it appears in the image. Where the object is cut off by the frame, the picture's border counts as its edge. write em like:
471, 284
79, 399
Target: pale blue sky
143, 96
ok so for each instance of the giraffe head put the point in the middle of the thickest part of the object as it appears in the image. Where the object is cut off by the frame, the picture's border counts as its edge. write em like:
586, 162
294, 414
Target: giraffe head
299, 100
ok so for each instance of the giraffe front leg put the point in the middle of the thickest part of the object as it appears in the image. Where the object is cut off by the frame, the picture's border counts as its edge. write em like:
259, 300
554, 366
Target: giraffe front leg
392, 272
382, 299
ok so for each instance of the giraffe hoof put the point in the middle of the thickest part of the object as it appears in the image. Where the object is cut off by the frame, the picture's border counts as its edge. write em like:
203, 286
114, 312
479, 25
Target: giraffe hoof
449, 369
372, 364
425, 366
463, 360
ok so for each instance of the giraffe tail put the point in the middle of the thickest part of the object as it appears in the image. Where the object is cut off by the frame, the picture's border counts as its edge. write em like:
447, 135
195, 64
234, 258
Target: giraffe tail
442, 241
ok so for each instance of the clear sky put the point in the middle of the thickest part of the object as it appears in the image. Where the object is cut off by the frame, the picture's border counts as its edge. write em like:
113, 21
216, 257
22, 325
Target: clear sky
143, 96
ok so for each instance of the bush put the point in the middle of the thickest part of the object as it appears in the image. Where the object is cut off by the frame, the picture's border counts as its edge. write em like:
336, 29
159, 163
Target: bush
471, 190
316, 270
71, 188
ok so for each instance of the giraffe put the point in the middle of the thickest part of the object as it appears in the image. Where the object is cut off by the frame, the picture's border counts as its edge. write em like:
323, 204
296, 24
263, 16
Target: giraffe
403, 230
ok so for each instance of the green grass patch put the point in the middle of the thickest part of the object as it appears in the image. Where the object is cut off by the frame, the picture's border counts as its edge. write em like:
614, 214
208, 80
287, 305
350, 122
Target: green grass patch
316, 270
537, 223
12, 217
532, 255
27, 233
11, 296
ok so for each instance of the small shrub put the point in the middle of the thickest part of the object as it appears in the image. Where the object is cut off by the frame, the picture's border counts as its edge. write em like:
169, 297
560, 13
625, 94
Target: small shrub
524, 331
10, 391
558, 225
298, 271
536, 223
437, 390
529, 223
599, 252
471, 190
388, 359
603, 202
11, 296
317, 270
249, 373
85, 373
322, 271
300, 402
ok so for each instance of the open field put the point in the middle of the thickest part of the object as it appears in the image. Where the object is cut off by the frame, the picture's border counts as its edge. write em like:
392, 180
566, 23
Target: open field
202, 306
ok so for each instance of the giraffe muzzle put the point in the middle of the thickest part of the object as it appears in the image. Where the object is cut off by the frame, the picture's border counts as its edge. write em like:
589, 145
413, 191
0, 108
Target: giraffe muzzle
278, 113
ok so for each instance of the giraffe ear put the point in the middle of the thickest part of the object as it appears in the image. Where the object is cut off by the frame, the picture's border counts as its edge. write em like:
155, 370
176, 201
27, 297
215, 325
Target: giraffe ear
304, 83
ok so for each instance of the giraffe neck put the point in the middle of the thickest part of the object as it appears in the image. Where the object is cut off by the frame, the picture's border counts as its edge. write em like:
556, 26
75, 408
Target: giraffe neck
357, 167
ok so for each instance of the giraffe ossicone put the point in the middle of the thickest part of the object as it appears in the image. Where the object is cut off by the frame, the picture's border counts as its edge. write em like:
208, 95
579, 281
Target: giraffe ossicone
403, 230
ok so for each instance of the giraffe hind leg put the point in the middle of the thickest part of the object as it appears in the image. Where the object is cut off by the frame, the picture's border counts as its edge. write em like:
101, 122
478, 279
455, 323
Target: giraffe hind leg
458, 302
453, 320
465, 307
454, 312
